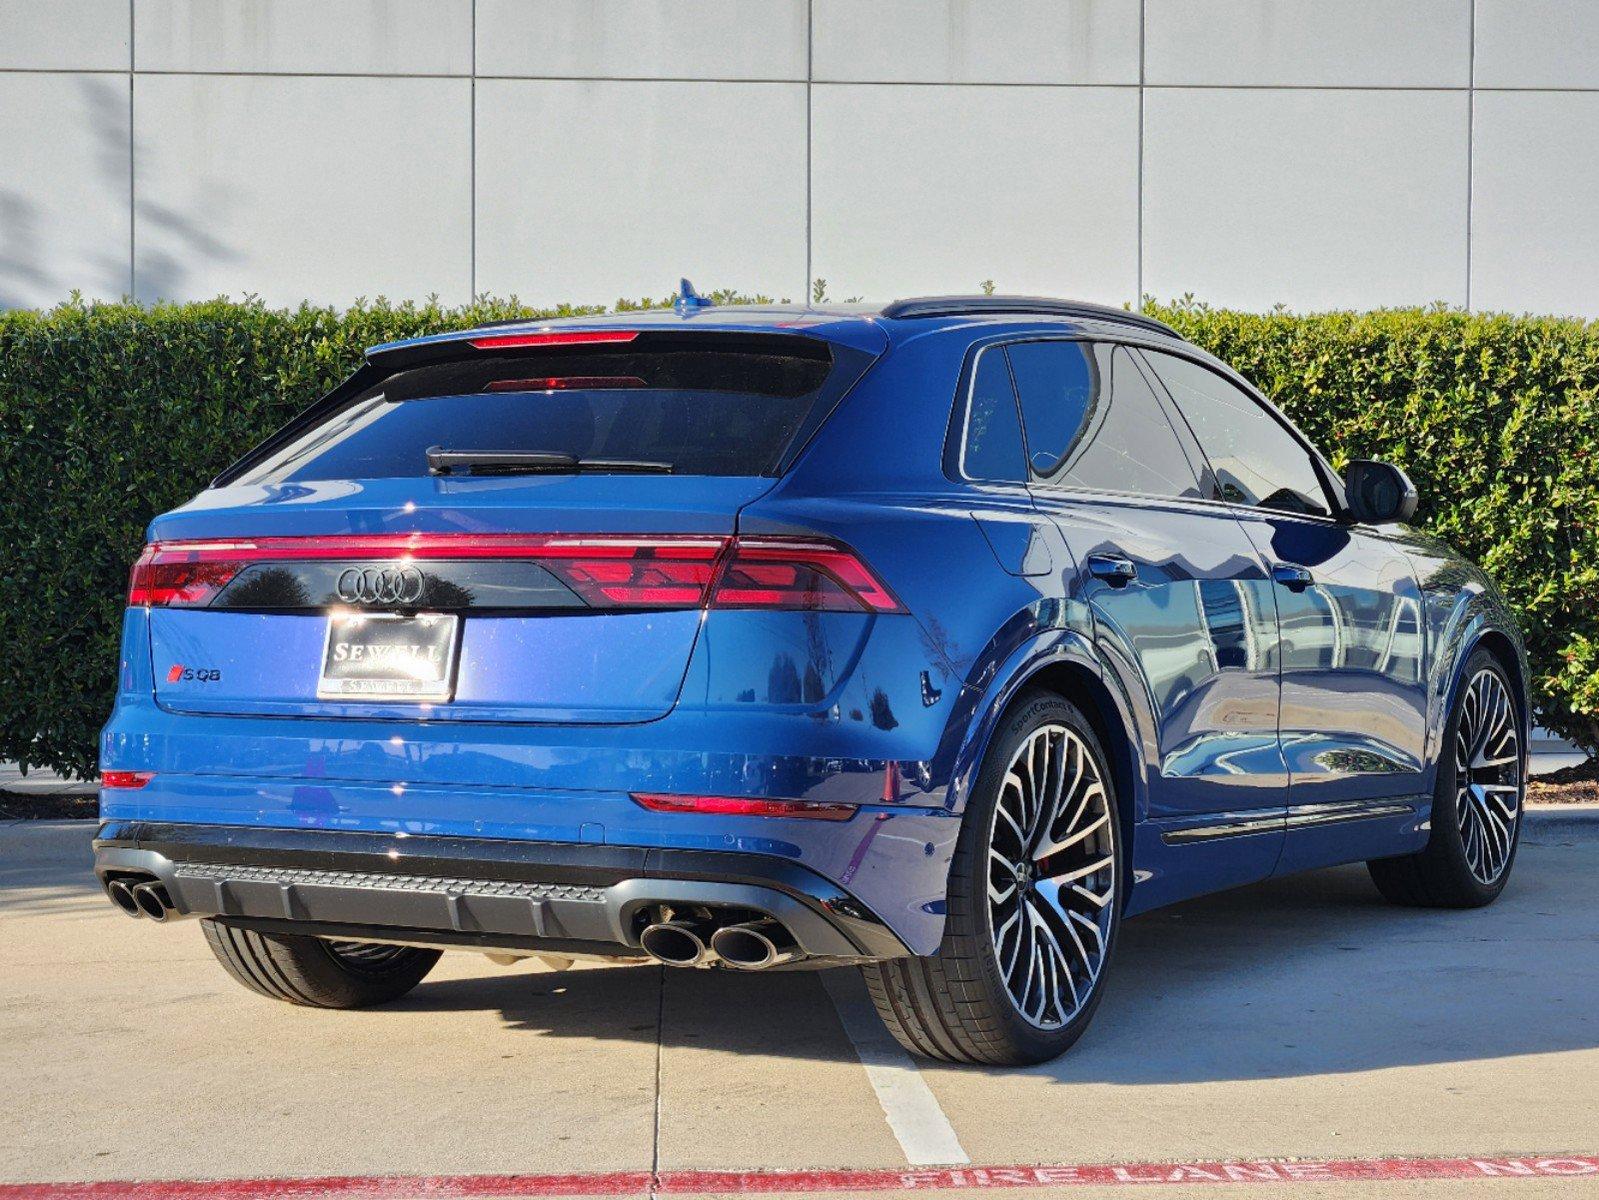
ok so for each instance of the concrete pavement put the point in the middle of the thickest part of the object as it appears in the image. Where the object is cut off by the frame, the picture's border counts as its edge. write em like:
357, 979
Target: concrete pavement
1299, 1018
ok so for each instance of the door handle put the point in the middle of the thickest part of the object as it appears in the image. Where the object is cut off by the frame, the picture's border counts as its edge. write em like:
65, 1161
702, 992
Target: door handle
1118, 572
1295, 579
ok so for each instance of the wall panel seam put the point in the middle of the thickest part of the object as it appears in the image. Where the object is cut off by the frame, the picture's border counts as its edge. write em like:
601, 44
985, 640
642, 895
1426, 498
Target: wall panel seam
1138, 269
133, 205
1471, 145
471, 266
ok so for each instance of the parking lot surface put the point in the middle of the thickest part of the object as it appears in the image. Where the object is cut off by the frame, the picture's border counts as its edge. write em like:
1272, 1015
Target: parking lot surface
1302, 1019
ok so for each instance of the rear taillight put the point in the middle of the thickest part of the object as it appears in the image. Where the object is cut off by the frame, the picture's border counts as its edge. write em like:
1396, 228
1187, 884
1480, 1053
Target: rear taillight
605, 571
738, 806
785, 574
632, 574
178, 576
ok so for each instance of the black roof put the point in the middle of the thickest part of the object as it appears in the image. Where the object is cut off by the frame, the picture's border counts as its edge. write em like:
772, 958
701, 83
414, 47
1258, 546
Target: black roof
986, 306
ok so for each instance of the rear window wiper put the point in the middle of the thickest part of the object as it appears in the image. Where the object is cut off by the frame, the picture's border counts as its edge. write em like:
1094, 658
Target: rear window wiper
533, 462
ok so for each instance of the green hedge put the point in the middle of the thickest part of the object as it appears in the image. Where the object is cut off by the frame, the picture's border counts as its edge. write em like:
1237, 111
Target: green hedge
110, 413
1495, 418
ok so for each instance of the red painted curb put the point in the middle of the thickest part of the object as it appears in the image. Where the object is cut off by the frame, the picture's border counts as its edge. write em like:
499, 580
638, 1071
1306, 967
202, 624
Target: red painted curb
445, 1187
1112, 1174
348, 1187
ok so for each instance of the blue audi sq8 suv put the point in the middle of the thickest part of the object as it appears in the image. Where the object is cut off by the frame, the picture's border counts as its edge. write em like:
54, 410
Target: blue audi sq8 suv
934, 639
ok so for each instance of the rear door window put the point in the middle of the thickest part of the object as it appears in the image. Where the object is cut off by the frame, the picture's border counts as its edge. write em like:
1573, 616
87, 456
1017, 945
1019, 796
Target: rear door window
1102, 426
1127, 443
706, 405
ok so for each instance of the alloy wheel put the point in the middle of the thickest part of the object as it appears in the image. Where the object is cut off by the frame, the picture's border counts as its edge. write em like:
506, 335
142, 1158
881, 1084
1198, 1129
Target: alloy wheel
1487, 775
1051, 876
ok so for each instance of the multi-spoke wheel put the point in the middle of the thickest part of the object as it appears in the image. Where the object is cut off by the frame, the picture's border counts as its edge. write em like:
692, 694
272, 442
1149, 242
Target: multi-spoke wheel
1033, 903
1051, 875
1487, 775
1476, 808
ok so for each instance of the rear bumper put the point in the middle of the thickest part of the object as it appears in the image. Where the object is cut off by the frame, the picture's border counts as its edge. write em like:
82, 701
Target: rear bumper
549, 897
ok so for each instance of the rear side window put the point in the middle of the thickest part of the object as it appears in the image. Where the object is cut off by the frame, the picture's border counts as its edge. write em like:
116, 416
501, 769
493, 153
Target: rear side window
993, 446
708, 405
1256, 460
1058, 382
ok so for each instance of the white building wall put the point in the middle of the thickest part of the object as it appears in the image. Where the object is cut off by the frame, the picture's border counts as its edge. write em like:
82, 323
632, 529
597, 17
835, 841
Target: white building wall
1310, 153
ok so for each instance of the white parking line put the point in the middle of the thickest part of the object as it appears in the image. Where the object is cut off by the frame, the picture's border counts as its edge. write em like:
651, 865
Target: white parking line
923, 1131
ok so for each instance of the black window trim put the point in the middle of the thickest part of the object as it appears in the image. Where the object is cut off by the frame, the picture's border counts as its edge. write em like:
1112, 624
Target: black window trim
955, 442
955, 466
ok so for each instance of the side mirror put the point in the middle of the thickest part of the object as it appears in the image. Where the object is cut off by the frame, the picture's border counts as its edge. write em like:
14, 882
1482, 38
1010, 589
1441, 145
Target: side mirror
1378, 493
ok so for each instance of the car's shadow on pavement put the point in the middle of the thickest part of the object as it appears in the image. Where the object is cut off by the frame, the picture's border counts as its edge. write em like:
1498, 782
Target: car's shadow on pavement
1309, 975
778, 1014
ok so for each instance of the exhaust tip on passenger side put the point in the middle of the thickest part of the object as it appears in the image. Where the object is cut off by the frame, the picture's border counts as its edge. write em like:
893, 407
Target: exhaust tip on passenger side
677, 943
153, 901
121, 895
755, 945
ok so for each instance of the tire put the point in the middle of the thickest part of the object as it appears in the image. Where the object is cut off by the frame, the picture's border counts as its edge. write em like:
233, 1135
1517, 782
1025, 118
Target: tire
314, 972
961, 1005
1476, 809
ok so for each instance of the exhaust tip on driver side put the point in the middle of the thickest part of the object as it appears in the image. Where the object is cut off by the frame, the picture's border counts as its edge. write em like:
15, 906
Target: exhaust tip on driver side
677, 943
121, 894
153, 901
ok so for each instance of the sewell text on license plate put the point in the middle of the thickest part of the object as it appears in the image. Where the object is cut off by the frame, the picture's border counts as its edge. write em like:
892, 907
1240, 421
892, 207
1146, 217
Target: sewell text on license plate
386, 656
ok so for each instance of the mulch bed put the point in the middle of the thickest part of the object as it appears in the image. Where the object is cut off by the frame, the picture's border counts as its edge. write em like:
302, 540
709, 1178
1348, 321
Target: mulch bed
1569, 785
25, 806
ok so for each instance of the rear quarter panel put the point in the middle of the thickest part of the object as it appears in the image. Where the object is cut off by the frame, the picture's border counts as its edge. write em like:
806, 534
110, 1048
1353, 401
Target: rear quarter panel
873, 478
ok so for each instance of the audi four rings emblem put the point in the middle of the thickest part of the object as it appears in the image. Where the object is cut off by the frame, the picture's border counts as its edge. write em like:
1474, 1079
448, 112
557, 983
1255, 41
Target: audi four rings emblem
380, 585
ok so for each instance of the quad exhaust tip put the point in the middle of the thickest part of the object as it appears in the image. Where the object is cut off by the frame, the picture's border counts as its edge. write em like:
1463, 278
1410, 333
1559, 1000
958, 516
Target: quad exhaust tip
677, 943
754, 945
122, 896
146, 898
695, 941
154, 902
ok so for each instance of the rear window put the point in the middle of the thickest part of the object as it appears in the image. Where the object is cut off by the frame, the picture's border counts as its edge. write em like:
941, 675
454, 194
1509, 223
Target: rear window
707, 405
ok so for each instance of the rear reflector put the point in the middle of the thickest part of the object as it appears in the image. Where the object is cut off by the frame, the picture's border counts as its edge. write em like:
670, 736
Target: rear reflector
125, 779
604, 571
575, 337
737, 806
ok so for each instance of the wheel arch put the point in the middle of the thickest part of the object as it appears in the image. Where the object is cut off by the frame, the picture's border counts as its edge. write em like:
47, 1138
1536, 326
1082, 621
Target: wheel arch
1064, 663
1507, 653
1498, 643
1087, 691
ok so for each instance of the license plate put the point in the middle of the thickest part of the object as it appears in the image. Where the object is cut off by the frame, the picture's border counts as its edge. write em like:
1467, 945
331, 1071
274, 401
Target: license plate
385, 656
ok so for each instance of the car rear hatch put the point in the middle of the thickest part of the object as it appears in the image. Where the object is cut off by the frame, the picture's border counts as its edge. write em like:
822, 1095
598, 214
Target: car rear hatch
516, 527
